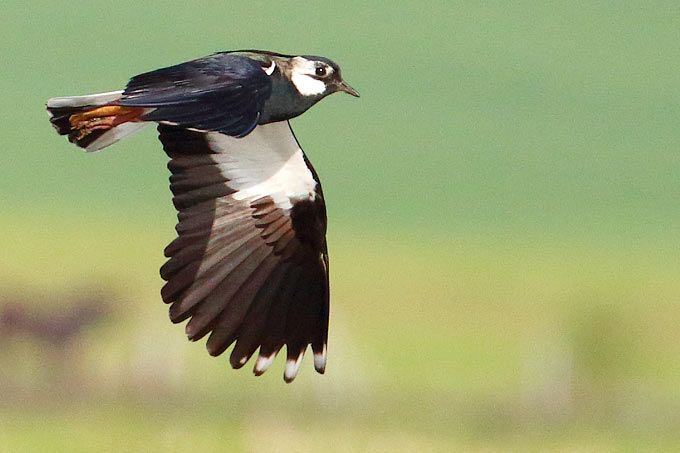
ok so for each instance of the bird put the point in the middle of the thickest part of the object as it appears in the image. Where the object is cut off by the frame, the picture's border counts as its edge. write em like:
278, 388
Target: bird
249, 265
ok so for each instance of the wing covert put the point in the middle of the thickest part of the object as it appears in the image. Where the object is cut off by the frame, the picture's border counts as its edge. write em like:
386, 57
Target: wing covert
221, 92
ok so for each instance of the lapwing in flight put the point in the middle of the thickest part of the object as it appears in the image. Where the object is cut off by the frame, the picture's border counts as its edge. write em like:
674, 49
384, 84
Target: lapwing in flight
250, 263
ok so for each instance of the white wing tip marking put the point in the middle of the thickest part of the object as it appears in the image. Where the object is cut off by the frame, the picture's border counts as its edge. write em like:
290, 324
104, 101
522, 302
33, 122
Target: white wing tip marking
263, 363
292, 367
320, 360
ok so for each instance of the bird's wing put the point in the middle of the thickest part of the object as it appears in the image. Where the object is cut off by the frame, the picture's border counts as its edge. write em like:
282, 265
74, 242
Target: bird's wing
221, 92
250, 262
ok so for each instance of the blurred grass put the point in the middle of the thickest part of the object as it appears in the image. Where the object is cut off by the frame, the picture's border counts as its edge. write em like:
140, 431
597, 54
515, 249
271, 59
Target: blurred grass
504, 216
569, 348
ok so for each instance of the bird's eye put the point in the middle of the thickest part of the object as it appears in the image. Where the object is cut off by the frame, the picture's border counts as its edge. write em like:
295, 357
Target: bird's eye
321, 71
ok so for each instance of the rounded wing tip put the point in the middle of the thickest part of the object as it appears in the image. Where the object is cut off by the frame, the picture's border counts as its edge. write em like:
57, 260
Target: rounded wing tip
238, 362
292, 367
262, 364
320, 360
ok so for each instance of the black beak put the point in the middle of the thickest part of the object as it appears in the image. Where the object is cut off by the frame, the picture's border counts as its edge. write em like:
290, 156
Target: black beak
344, 86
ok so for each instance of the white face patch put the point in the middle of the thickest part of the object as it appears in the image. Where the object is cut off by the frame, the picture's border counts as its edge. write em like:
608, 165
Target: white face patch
308, 85
302, 77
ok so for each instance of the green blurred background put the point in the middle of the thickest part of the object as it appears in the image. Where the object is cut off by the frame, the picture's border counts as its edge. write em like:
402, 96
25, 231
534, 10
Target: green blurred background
504, 232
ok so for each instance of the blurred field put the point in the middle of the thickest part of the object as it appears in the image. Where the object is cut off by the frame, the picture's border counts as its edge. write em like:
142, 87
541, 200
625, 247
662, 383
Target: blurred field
504, 232
564, 349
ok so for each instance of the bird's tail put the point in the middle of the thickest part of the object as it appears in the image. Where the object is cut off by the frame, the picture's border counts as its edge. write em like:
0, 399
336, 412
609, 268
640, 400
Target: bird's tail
94, 121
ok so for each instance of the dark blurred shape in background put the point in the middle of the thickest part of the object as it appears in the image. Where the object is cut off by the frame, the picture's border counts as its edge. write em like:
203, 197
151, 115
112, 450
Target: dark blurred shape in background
55, 324
45, 337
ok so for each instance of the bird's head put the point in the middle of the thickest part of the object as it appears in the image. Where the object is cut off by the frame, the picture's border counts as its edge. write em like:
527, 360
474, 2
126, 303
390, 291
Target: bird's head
317, 77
